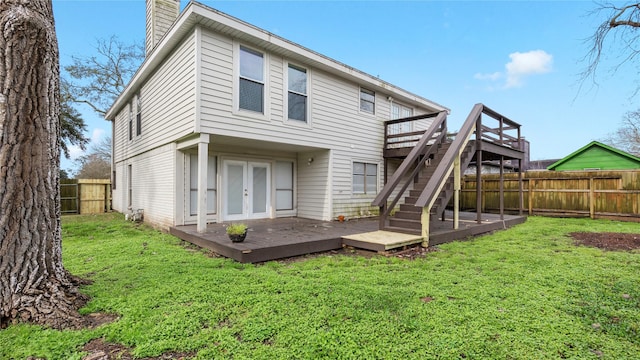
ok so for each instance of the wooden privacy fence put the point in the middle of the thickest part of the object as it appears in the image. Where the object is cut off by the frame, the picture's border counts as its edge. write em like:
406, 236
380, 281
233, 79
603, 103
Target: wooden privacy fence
597, 194
85, 196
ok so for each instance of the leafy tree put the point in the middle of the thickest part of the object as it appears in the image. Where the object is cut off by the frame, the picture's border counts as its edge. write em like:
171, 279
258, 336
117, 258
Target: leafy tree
72, 125
101, 78
64, 175
34, 286
97, 163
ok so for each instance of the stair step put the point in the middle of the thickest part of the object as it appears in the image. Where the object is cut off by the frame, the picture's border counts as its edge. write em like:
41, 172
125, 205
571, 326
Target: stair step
410, 200
410, 208
415, 193
405, 223
411, 215
403, 230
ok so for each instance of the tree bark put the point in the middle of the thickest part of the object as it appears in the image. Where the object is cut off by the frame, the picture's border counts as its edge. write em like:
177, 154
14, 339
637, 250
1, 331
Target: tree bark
34, 287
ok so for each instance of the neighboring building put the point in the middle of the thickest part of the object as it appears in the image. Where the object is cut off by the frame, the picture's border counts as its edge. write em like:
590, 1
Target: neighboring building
540, 165
597, 156
225, 121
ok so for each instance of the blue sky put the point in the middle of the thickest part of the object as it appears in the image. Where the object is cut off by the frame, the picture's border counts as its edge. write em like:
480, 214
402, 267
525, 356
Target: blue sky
521, 58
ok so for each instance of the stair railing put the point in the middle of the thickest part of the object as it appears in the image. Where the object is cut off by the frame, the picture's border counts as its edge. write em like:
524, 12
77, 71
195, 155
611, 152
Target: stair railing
445, 166
427, 145
473, 125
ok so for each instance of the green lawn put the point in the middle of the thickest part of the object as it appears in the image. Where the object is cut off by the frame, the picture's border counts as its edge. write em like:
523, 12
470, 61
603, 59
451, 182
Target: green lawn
523, 293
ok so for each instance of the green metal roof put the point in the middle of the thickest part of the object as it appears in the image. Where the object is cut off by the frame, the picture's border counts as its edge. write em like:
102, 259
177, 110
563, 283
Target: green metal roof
597, 155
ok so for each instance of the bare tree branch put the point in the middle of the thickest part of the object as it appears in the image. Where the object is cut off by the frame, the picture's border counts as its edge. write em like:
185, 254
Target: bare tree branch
626, 21
102, 77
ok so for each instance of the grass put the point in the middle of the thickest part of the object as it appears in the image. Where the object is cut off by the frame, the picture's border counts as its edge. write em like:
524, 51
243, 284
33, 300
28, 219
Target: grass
523, 293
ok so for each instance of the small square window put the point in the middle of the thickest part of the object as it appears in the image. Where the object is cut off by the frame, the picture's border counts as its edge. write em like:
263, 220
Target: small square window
365, 178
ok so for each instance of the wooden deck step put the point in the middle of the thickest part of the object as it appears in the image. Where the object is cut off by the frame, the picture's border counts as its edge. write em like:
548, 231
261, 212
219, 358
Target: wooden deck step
381, 240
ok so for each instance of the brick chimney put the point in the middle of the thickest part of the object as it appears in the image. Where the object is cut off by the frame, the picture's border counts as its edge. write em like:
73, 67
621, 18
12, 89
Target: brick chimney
161, 14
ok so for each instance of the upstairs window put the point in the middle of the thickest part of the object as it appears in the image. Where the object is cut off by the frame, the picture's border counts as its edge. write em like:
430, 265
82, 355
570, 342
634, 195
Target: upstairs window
251, 85
365, 178
138, 115
367, 101
297, 95
131, 122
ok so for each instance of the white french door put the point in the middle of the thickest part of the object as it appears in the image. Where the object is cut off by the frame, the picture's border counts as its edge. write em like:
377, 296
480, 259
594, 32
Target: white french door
247, 187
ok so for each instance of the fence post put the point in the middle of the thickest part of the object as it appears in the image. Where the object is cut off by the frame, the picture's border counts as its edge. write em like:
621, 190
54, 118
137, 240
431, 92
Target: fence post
592, 199
531, 183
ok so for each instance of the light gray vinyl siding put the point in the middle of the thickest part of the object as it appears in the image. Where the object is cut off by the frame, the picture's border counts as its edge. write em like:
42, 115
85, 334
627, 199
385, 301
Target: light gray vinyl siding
121, 135
277, 88
216, 79
314, 184
336, 123
168, 100
154, 185
118, 201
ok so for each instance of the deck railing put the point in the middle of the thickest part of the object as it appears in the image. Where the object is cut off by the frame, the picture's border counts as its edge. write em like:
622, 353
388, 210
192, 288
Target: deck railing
493, 135
426, 145
406, 132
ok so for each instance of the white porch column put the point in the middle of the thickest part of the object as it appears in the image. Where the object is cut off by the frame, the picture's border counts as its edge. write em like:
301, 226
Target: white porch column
203, 157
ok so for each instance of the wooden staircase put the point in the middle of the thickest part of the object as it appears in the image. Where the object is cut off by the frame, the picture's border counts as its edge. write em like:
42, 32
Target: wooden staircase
425, 178
407, 218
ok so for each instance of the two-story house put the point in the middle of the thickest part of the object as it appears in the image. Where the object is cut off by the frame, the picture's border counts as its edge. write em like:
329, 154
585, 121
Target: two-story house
226, 121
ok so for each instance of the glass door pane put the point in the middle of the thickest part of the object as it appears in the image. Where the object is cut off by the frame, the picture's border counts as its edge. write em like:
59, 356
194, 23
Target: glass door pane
235, 175
259, 189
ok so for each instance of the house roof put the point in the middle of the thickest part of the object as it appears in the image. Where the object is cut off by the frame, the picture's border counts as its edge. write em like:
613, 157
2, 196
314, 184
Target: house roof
197, 14
590, 146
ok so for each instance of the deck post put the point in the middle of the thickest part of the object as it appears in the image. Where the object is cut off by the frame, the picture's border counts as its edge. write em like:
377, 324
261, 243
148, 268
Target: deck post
424, 220
520, 189
203, 162
501, 185
456, 192
478, 174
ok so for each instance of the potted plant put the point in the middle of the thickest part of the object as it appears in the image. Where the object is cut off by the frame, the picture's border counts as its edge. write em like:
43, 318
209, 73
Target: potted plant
237, 232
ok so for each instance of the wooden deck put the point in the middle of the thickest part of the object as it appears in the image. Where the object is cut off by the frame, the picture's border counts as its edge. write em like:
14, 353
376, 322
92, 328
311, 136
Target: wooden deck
272, 239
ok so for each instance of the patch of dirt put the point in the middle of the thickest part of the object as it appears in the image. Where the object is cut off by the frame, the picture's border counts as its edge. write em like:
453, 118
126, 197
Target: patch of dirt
608, 240
97, 319
100, 350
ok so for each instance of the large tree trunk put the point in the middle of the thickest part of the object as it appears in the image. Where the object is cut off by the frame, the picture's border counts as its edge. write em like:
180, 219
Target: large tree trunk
34, 287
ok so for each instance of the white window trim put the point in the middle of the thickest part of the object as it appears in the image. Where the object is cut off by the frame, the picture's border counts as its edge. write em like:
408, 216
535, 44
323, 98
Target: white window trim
265, 115
365, 193
375, 102
285, 96
138, 112
130, 123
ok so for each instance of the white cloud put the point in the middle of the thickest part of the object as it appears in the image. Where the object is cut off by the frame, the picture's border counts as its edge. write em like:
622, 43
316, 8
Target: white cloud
97, 135
525, 64
521, 65
493, 77
75, 152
